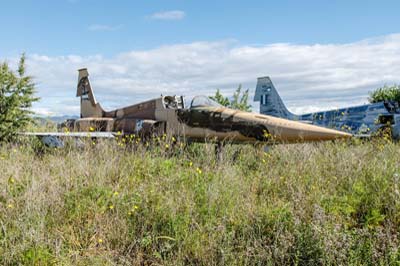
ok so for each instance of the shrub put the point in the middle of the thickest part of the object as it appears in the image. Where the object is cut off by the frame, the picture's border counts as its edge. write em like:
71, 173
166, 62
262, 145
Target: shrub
385, 93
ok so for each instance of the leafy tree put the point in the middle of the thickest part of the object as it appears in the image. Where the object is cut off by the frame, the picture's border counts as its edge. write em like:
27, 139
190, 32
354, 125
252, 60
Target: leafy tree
239, 99
385, 93
16, 97
219, 98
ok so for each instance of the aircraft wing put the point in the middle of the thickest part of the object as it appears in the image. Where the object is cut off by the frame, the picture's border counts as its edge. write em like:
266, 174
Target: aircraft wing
108, 135
53, 139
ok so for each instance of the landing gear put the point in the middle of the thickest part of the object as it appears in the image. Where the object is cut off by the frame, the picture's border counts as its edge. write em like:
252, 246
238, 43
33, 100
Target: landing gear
219, 150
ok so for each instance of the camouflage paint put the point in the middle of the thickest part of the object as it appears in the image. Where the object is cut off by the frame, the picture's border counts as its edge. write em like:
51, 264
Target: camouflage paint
216, 120
168, 114
363, 119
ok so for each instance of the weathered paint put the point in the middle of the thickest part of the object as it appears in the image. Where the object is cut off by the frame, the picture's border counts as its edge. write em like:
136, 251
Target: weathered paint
89, 106
206, 121
226, 123
363, 119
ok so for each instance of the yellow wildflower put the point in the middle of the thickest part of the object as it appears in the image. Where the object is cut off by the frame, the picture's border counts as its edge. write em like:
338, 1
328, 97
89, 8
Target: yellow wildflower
100, 240
134, 208
198, 170
111, 207
91, 129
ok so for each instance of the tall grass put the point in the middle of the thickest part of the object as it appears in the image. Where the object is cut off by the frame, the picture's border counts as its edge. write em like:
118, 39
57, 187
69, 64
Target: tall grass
108, 204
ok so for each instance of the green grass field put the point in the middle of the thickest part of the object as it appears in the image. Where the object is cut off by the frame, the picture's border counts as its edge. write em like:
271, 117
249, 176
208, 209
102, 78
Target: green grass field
106, 204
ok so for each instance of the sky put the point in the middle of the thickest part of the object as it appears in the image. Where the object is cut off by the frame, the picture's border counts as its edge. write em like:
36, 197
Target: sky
319, 54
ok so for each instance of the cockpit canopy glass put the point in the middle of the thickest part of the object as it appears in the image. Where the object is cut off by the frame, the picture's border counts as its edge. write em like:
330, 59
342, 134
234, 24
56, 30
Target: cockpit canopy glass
203, 101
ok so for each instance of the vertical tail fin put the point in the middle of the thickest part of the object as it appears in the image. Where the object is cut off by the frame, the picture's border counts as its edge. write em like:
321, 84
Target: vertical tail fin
270, 101
89, 106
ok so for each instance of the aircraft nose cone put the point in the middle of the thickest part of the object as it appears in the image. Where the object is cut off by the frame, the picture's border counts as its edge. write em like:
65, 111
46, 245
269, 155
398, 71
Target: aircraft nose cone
311, 133
293, 131
296, 131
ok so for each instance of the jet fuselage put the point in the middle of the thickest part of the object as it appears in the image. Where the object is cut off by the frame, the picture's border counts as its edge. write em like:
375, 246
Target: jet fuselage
203, 120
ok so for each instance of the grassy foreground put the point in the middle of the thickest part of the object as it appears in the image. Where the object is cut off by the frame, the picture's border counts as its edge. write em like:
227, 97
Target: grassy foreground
305, 204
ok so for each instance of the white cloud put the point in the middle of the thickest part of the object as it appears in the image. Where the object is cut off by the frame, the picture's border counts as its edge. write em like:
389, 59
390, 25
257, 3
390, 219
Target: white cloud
42, 111
169, 15
102, 27
308, 77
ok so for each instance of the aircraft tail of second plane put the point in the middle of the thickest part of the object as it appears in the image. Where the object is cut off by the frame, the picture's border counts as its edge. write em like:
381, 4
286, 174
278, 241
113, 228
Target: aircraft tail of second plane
270, 101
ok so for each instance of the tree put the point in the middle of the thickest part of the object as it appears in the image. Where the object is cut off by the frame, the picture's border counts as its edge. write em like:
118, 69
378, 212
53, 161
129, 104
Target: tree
16, 97
385, 93
239, 99
219, 98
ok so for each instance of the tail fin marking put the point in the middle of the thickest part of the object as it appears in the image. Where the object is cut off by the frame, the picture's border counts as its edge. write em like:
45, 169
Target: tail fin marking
270, 101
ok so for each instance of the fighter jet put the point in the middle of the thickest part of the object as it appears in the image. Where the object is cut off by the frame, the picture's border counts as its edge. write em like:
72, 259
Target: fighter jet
363, 120
204, 120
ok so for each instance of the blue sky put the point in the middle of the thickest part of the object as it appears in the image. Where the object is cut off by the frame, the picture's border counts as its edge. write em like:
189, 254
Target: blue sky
63, 26
113, 37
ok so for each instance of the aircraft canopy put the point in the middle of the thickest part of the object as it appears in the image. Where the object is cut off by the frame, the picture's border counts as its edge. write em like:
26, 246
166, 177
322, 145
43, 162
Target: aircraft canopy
202, 101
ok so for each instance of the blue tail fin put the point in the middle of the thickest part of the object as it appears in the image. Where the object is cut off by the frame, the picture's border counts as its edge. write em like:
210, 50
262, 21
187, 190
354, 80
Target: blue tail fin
270, 101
